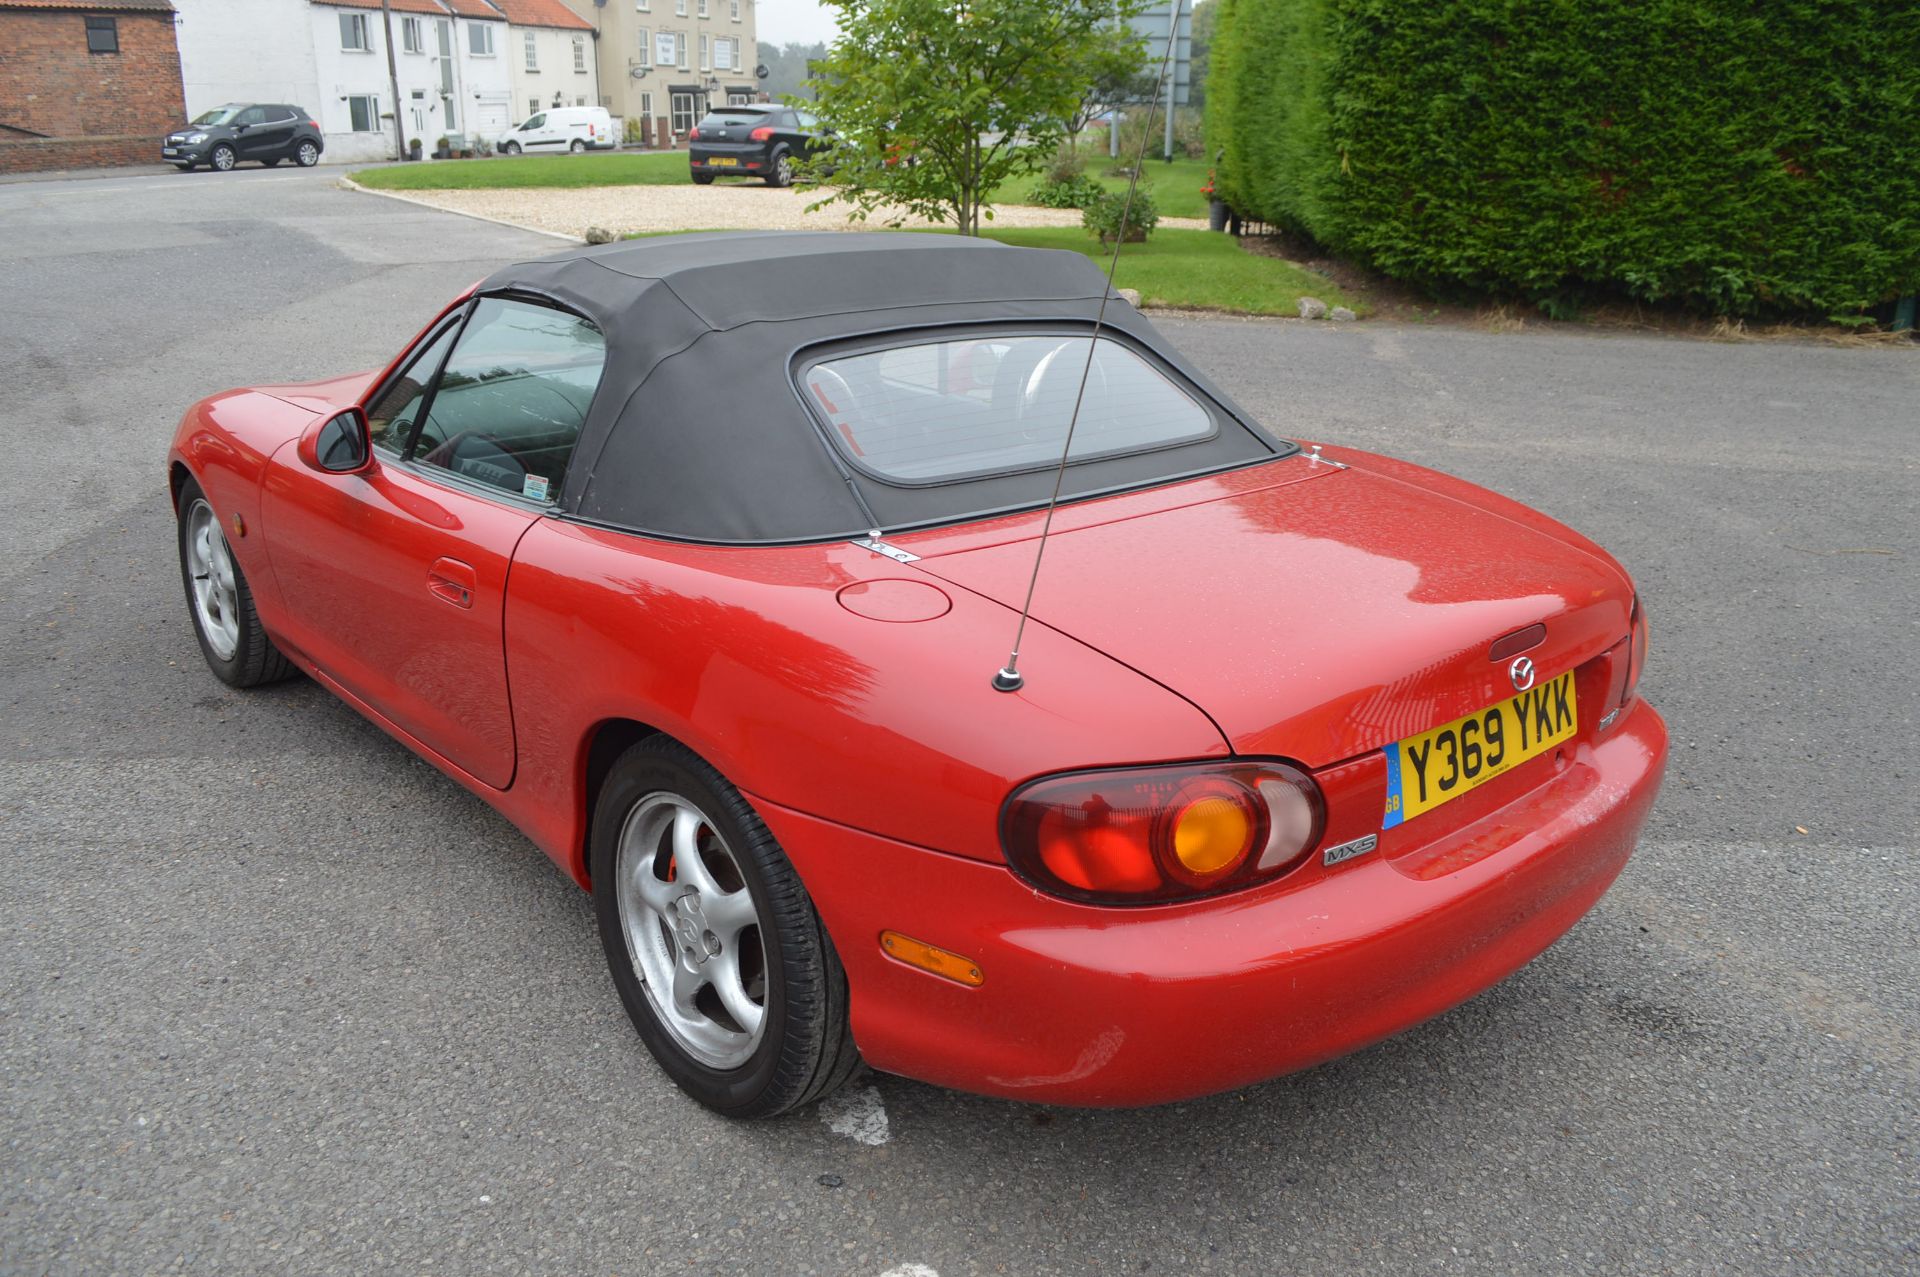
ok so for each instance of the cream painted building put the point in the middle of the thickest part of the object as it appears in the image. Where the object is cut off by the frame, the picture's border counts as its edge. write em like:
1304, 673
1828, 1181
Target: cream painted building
664, 62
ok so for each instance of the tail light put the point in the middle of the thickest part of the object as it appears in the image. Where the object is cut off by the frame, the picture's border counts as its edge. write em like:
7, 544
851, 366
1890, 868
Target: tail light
761, 134
1637, 653
693, 135
1158, 834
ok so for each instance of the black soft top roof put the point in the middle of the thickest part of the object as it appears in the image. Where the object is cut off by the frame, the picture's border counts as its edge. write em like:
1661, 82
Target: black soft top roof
698, 432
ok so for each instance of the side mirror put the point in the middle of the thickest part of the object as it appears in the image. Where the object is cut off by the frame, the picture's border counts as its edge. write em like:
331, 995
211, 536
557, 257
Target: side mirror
241, 128
340, 444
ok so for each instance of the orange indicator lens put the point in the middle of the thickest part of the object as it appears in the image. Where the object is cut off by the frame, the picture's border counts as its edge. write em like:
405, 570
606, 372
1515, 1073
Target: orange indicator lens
932, 959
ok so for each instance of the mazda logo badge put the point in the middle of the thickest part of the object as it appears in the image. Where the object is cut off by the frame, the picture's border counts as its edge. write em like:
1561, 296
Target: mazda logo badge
1522, 672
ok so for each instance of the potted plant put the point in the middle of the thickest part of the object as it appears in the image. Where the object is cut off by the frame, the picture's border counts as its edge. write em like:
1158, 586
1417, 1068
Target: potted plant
441, 151
1216, 207
413, 148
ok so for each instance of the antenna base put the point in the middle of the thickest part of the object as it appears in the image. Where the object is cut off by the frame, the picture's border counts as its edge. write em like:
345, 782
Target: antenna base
1007, 680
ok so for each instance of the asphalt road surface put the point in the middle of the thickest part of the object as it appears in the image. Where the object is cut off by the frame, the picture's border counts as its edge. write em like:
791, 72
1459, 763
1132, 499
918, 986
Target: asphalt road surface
277, 997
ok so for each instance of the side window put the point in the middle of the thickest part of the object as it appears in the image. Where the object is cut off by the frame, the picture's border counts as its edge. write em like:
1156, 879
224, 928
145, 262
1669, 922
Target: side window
390, 418
252, 115
537, 121
513, 396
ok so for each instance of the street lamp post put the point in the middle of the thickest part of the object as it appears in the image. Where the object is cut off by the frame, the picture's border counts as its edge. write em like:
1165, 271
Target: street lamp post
393, 82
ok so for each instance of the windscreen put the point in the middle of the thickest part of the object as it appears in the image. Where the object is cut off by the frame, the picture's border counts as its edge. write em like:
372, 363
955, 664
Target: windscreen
997, 404
219, 115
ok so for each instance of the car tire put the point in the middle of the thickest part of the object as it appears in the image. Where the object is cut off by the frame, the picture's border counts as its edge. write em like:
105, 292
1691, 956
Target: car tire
306, 155
703, 179
576, 146
221, 158
510, 148
219, 601
797, 1046
781, 174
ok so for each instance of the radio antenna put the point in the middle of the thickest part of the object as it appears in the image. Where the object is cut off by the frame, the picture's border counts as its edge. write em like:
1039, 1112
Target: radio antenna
1008, 677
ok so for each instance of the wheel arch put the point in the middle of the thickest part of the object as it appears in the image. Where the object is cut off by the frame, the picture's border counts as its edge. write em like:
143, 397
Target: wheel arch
177, 477
606, 741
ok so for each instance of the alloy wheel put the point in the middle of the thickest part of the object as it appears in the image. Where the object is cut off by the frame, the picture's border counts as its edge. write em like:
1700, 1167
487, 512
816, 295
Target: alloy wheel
692, 930
216, 594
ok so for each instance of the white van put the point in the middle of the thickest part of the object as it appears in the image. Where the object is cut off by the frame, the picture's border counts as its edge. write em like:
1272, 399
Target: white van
564, 128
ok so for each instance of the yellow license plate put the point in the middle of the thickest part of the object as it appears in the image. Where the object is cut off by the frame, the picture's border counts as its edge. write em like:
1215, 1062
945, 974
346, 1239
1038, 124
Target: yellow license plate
1440, 765
723, 163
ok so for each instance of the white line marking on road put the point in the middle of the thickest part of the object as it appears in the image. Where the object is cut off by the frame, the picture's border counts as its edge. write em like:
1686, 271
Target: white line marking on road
859, 1115
910, 1270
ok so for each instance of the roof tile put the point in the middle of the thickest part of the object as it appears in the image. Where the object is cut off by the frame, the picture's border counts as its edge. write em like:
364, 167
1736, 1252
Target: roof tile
542, 13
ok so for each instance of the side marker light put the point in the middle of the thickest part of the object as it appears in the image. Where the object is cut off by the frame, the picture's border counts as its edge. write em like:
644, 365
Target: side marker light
932, 959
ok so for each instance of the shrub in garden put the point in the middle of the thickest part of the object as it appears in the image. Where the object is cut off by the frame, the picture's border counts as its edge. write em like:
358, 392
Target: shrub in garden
1102, 216
1727, 155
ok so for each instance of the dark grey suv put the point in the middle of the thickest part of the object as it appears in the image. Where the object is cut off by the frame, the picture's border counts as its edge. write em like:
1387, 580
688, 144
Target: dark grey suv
226, 135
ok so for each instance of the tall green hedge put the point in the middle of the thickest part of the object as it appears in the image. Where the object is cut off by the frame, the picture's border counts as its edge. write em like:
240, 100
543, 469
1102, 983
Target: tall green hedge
1739, 156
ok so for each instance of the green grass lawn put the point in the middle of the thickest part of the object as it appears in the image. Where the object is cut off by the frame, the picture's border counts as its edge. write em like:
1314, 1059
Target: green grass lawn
620, 168
1175, 186
1198, 269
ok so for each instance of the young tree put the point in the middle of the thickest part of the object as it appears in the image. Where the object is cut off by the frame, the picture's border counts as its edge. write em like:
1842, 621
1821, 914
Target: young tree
934, 103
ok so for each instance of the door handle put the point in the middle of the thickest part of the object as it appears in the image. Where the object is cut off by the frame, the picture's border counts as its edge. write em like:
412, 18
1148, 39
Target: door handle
453, 581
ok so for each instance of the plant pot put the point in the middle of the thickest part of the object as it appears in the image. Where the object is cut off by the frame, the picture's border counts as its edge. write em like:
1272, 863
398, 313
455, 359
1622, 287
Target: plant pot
1216, 215
413, 150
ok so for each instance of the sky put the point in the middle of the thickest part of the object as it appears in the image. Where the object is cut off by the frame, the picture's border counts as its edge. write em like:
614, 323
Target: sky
782, 21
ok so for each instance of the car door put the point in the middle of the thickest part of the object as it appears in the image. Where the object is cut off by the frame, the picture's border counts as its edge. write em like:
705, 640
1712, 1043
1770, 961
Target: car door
394, 578
247, 132
532, 131
273, 136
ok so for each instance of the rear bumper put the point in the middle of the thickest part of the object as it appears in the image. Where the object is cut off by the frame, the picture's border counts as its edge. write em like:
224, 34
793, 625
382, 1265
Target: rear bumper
1112, 1007
742, 160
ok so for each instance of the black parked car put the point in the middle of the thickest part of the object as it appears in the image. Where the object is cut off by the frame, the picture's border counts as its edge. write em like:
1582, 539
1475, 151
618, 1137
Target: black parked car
224, 136
752, 141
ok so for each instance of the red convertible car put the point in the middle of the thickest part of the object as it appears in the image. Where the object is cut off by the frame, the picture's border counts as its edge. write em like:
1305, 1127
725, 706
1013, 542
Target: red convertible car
696, 558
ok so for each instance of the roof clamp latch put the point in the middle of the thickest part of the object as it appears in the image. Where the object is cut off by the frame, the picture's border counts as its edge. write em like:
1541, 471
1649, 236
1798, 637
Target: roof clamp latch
1315, 459
872, 542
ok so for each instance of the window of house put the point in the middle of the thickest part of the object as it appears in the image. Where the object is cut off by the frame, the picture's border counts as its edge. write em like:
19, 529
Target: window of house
364, 112
646, 113
103, 35
480, 39
643, 6
736, 10
723, 54
410, 36
680, 44
680, 8
533, 107
532, 44
353, 32
703, 8
706, 54
580, 55
646, 48
682, 112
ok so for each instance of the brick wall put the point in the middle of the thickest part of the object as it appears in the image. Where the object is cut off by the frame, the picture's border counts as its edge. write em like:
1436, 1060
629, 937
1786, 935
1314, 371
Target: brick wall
90, 108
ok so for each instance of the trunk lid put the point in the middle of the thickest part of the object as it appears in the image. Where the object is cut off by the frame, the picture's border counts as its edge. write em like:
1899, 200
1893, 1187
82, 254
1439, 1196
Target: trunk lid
1315, 621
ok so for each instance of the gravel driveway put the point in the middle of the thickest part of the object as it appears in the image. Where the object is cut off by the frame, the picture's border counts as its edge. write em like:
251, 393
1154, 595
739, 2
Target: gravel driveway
624, 209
